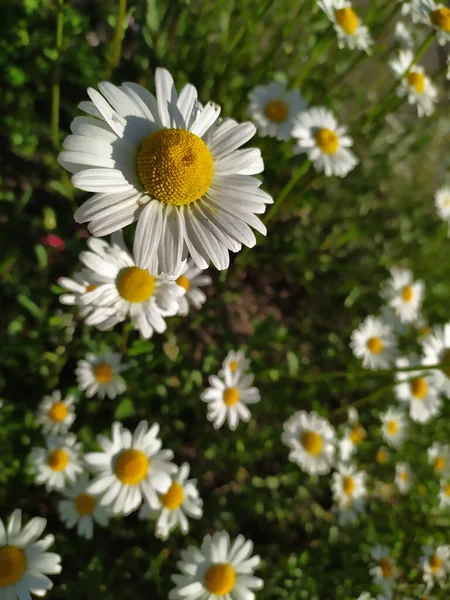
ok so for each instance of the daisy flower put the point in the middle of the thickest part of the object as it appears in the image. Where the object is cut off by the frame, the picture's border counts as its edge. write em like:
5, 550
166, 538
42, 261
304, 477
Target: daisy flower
435, 563
273, 108
99, 374
348, 484
324, 141
414, 83
404, 295
403, 477
235, 363
312, 442
393, 427
434, 14
382, 455
442, 203
375, 343
403, 36
131, 467
75, 289
125, 289
436, 349
354, 434
220, 569
350, 31
81, 509
444, 494
348, 511
55, 415
439, 457
24, 562
388, 316
228, 398
415, 388
179, 502
384, 571
164, 162
58, 463
191, 280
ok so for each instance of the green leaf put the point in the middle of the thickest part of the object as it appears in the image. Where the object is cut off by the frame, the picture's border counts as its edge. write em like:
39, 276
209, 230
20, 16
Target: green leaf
41, 256
124, 409
293, 363
30, 306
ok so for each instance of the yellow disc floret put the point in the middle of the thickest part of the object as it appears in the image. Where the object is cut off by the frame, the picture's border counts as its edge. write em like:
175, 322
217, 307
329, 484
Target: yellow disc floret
231, 396
347, 20
447, 490
439, 463
184, 282
375, 345
131, 467
441, 18
435, 562
12, 565
386, 568
58, 412
417, 81
103, 373
382, 456
135, 284
276, 111
407, 291
175, 166
392, 427
357, 434
220, 579
419, 388
349, 485
58, 459
85, 504
327, 140
312, 442
174, 497
233, 366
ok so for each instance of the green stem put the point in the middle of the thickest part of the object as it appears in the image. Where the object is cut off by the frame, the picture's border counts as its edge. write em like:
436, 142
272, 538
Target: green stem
365, 400
118, 34
321, 48
56, 75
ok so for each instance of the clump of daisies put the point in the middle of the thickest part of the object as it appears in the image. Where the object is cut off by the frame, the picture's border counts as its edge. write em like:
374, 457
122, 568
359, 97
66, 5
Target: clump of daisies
231, 392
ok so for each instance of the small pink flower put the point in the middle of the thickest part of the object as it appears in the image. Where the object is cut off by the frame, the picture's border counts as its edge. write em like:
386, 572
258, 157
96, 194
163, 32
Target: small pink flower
52, 241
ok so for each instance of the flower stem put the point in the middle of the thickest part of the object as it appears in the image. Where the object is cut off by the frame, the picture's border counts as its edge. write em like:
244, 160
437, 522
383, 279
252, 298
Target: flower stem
54, 128
118, 34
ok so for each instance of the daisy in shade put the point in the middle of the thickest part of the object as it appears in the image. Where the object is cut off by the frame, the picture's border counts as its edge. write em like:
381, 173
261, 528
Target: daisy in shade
375, 343
123, 289
349, 510
179, 502
273, 109
348, 26
228, 398
131, 467
75, 289
324, 141
220, 569
58, 463
414, 84
435, 563
403, 294
439, 457
442, 203
354, 435
56, 415
415, 388
384, 571
24, 560
311, 440
444, 494
348, 484
165, 162
99, 374
403, 477
434, 14
403, 36
393, 427
81, 509
235, 363
191, 280
436, 349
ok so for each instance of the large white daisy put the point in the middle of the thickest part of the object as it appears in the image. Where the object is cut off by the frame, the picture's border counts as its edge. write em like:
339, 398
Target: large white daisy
131, 467
166, 163
58, 463
324, 141
416, 85
348, 26
24, 560
436, 349
220, 569
100, 374
191, 280
56, 415
311, 440
434, 14
273, 108
404, 295
375, 343
179, 502
416, 389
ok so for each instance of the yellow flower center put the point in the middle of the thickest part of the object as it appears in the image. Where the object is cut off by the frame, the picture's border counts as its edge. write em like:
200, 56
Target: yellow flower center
375, 345
174, 497
441, 18
277, 111
312, 442
382, 456
422, 489
85, 504
233, 366
327, 140
135, 284
131, 467
103, 373
446, 359
347, 20
58, 412
435, 562
184, 282
357, 434
419, 388
407, 291
386, 568
231, 396
404, 476
349, 485
392, 427
220, 579
417, 81
58, 459
175, 166
91, 287
12, 565
447, 490
439, 463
